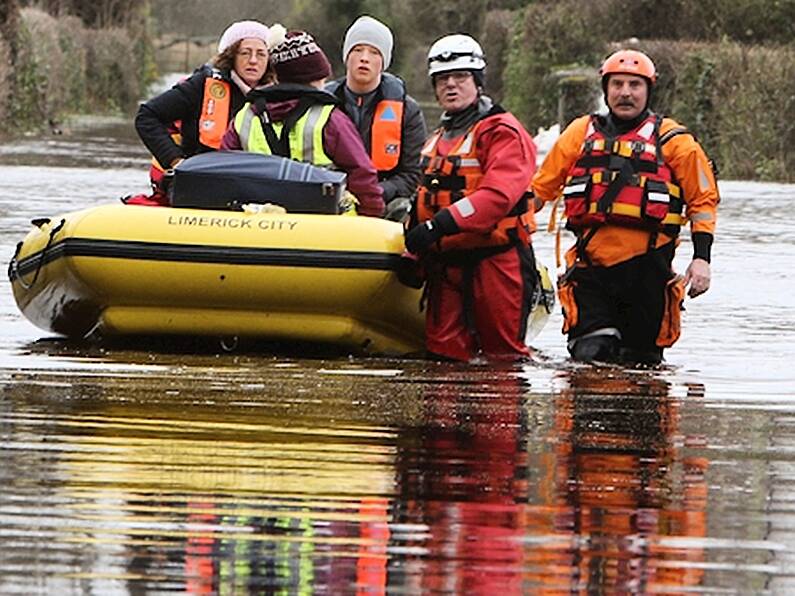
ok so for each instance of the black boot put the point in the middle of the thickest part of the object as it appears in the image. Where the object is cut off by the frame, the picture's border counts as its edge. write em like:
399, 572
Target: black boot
597, 348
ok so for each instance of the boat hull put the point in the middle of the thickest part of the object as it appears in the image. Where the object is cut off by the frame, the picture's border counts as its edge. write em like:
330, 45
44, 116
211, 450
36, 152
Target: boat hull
120, 270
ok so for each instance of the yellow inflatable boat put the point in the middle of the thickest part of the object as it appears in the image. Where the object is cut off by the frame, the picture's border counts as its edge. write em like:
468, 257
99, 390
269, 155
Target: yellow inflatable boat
136, 270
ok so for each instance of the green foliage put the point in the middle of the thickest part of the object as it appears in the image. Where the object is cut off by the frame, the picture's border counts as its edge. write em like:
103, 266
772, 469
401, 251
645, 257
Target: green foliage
27, 106
547, 38
208, 18
762, 22
62, 67
738, 99
112, 80
72, 45
755, 97
139, 29
92, 13
5, 77
327, 21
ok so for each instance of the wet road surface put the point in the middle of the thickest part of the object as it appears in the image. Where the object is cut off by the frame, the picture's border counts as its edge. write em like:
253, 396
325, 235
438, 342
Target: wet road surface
153, 468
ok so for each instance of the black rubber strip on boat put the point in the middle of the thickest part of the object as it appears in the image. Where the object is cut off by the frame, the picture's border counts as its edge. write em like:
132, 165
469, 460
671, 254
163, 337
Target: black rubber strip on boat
202, 253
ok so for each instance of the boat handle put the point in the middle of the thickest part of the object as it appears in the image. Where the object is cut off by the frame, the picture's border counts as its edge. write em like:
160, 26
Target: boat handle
13, 266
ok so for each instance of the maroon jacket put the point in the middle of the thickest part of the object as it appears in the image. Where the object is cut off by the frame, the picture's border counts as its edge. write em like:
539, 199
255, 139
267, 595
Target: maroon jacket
341, 142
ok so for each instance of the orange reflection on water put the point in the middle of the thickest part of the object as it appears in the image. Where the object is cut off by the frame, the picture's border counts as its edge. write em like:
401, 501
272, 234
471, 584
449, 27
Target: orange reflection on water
620, 488
593, 503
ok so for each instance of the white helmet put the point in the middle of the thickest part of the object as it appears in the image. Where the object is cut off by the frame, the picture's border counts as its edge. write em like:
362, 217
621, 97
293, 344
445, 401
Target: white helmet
455, 52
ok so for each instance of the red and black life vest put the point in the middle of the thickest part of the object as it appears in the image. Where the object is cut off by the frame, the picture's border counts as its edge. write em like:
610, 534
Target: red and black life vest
623, 180
451, 178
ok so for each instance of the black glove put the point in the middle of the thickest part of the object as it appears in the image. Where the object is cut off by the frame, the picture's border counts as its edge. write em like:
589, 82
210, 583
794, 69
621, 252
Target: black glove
421, 237
167, 183
409, 271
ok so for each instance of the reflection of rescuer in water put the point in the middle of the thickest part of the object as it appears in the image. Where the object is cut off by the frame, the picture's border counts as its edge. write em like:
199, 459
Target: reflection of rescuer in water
626, 178
596, 508
464, 477
615, 493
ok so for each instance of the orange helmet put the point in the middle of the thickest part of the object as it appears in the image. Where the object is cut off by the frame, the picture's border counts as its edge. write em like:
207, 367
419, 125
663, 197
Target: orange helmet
630, 62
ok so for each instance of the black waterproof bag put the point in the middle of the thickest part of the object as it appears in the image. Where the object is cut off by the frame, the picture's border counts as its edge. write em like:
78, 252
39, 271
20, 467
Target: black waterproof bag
231, 179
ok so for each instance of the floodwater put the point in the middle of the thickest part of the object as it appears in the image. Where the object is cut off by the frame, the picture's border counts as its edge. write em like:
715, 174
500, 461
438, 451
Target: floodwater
133, 471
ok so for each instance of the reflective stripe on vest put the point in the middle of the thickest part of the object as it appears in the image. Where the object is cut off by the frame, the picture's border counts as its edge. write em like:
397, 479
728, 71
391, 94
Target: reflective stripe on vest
305, 138
449, 179
385, 134
629, 169
214, 117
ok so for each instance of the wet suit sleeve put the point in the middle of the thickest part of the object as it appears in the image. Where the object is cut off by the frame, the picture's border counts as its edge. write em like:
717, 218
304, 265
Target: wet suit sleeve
693, 171
403, 182
181, 102
507, 156
551, 176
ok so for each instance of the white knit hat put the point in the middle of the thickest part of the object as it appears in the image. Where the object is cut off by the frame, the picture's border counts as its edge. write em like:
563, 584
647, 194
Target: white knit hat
272, 36
372, 32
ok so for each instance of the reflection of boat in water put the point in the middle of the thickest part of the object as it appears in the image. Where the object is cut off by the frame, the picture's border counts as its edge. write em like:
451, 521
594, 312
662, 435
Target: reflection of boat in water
132, 270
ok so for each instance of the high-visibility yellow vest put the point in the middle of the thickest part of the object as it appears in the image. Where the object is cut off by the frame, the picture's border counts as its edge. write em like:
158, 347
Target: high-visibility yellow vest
305, 138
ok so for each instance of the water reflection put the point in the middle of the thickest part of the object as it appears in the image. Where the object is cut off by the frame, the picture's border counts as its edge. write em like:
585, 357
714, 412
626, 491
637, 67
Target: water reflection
464, 474
213, 485
593, 500
250, 474
621, 491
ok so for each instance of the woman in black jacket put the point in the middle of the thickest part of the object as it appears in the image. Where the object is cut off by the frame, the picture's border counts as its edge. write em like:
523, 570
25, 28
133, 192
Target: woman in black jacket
192, 116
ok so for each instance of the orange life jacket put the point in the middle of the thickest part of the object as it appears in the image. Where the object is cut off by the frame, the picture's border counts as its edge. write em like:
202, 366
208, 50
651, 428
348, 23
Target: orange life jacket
213, 120
451, 178
216, 104
623, 180
386, 129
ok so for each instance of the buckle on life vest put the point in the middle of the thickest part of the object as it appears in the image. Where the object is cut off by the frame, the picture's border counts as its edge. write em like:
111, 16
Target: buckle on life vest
638, 147
615, 162
451, 165
623, 148
587, 146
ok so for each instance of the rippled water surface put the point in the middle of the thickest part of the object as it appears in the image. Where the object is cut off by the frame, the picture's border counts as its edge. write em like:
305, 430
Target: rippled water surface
178, 467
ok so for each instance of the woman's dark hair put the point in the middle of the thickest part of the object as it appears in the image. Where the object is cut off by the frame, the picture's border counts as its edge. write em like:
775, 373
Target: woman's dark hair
226, 61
